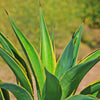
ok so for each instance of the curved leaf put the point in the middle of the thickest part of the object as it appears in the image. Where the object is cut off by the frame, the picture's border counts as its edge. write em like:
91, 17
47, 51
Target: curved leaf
82, 97
52, 88
32, 57
92, 88
19, 92
6, 47
47, 53
18, 71
4, 44
91, 56
1, 95
16, 54
52, 38
73, 76
66, 60
77, 39
6, 94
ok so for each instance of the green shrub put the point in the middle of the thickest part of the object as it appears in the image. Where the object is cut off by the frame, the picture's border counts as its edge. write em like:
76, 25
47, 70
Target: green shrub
54, 81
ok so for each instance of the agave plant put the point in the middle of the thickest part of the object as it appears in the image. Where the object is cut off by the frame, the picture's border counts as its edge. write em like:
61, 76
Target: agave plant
54, 80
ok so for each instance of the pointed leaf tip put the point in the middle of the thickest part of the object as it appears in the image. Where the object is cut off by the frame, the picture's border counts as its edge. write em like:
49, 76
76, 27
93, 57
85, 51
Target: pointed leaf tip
7, 36
6, 11
39, 3
75, 41
98, 57
52, 88
73, 35
84, 19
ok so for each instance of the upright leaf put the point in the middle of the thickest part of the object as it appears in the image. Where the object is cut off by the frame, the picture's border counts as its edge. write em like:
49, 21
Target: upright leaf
32, 57
91, 56
77, 39
72, 77
52, 88
19, 92
47, 54
66, 60
82, 97
17, 69
16, 55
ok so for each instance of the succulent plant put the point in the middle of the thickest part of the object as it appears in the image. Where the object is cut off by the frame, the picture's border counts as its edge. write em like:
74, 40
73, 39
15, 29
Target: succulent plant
54, 80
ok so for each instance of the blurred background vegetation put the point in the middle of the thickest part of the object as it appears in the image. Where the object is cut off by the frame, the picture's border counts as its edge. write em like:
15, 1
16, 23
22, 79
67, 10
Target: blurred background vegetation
66, 15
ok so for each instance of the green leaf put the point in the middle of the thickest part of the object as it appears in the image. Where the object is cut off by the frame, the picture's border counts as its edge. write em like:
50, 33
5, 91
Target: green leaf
82, 97
1, 95
8, 43
5, 45
66, 60
77, 39
17, 69
73, 76
92, 88
16, 55
95, 94
52, 38
91, 56
32, 57
6, 94
98, 95
52, 88
47, 53
19, 92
